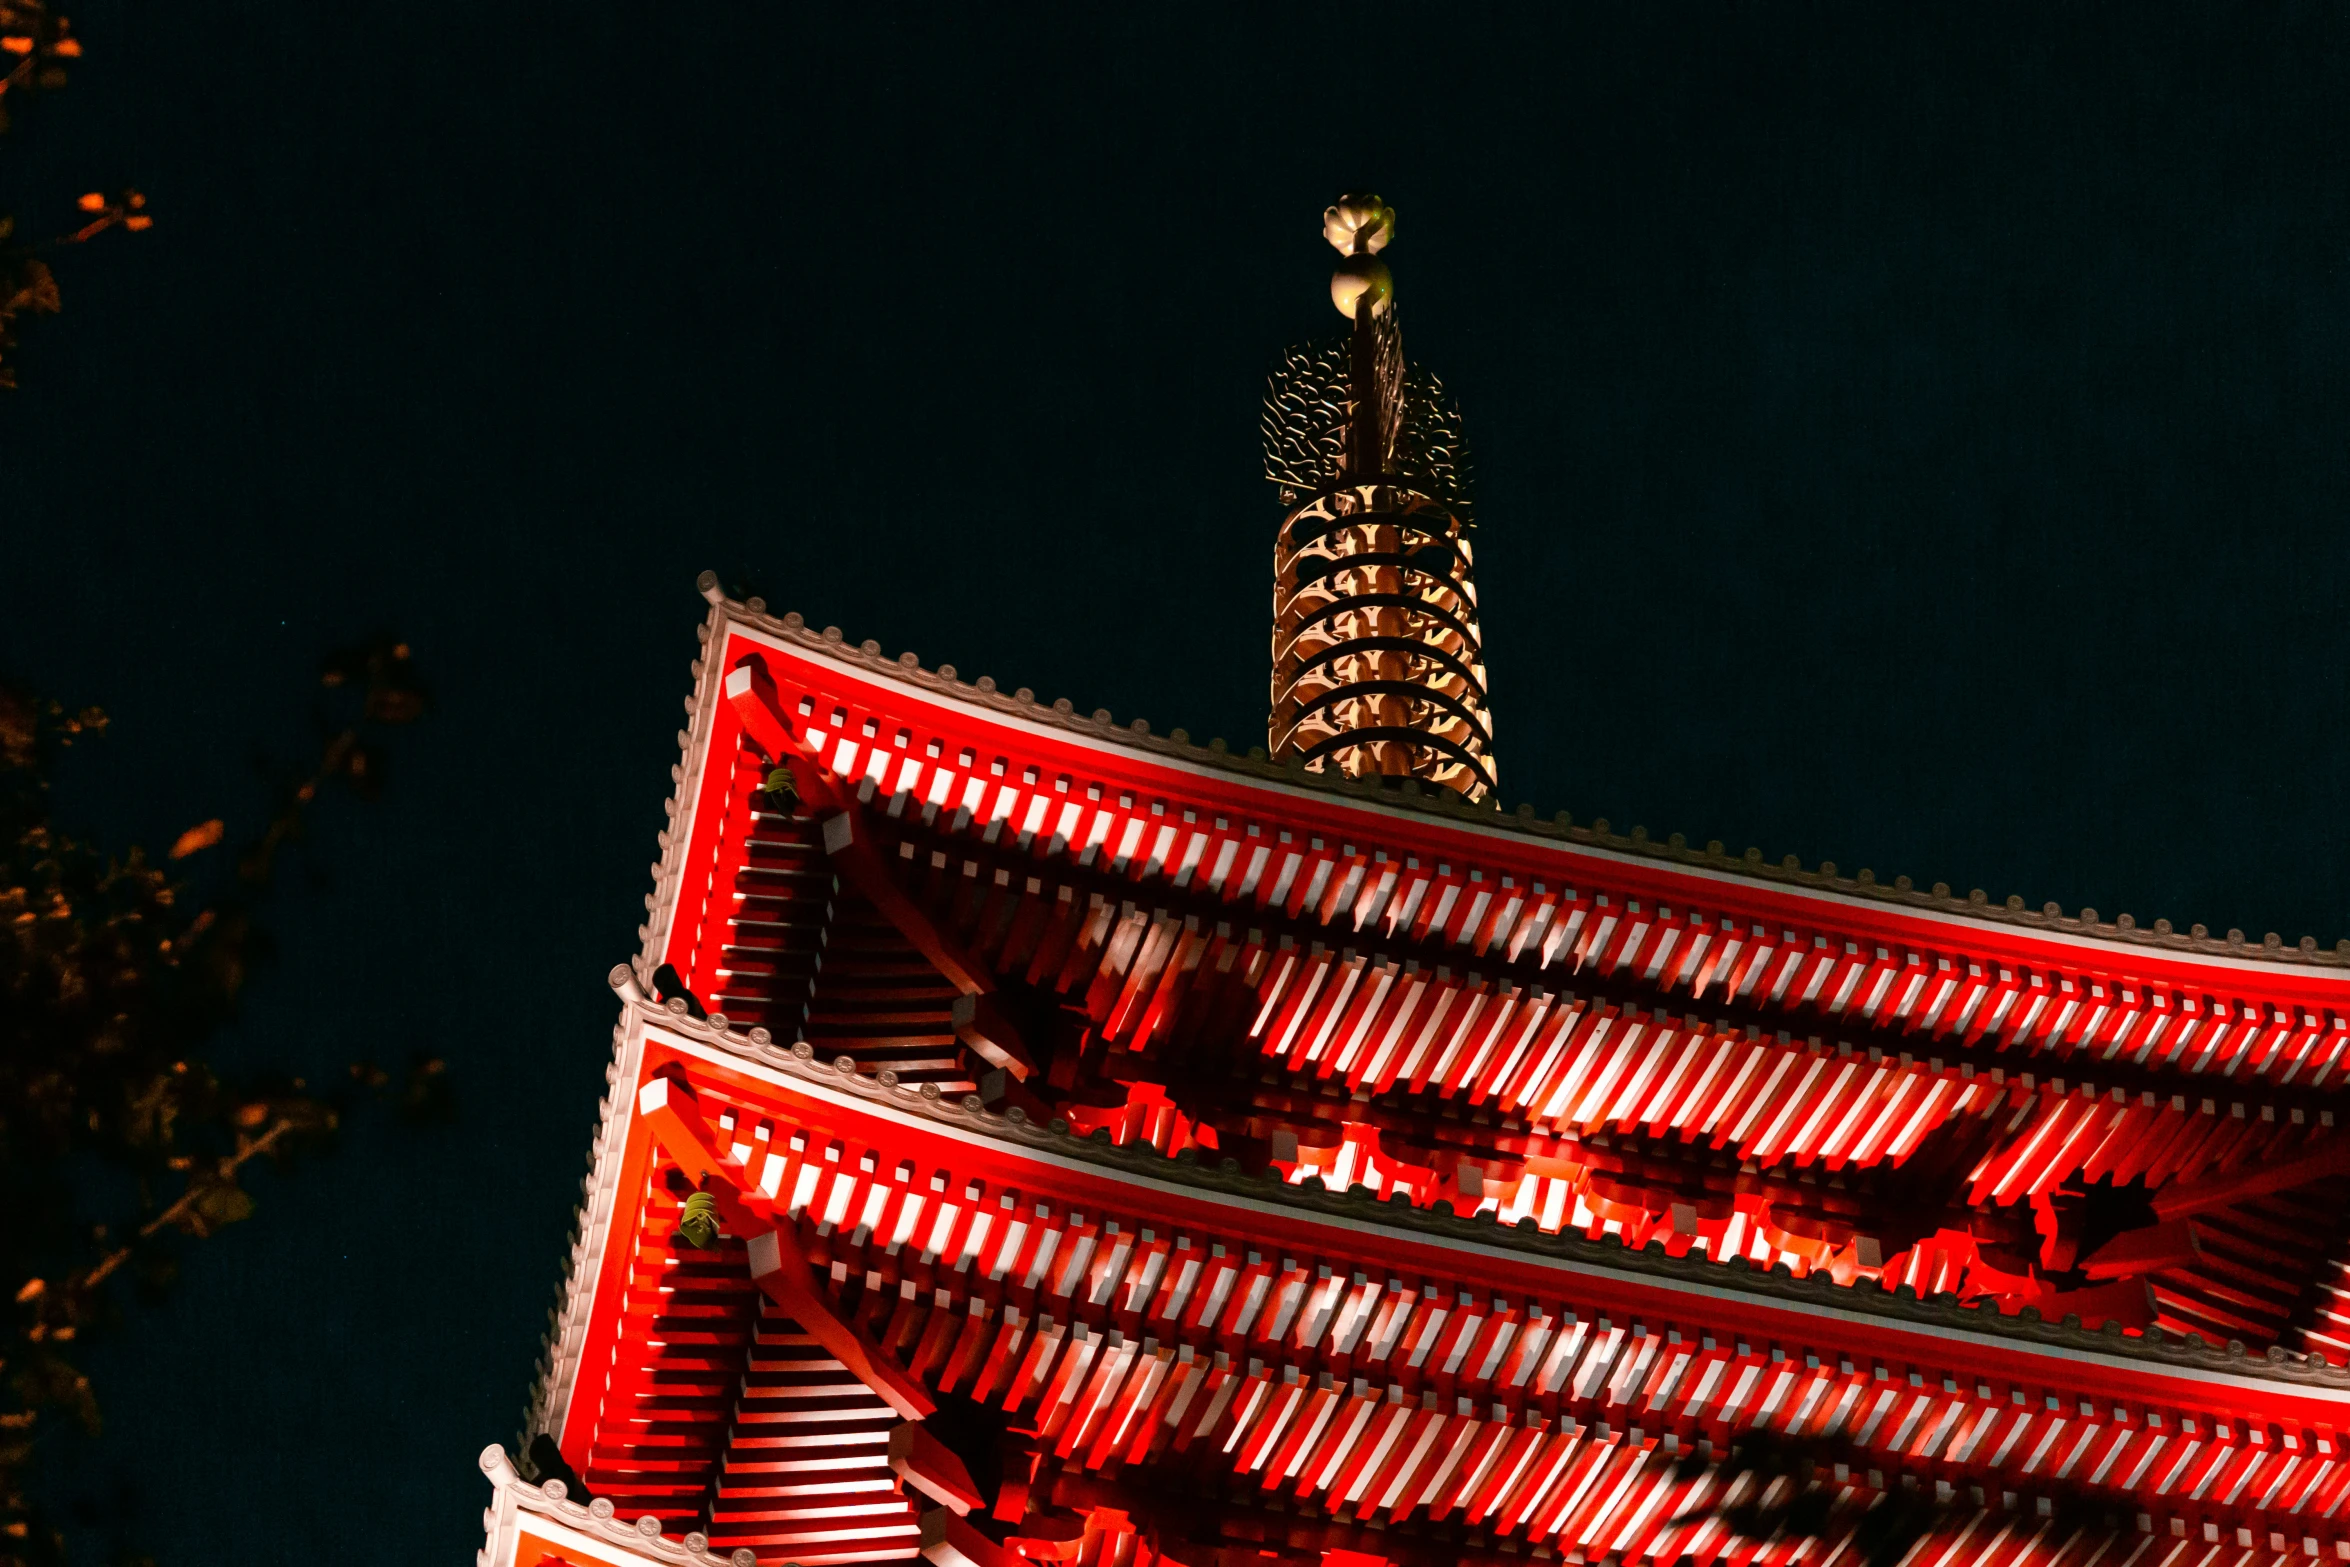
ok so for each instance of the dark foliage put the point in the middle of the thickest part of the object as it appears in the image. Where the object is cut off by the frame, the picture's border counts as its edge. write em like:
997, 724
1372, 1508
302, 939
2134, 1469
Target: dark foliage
36, 45
113, 977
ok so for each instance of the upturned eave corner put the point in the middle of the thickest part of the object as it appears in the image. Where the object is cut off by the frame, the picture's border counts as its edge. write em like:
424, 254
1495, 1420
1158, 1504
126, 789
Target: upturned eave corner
537, 1524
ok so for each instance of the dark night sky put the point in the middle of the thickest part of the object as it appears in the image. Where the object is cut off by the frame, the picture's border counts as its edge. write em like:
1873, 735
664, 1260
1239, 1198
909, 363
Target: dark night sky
1917, 444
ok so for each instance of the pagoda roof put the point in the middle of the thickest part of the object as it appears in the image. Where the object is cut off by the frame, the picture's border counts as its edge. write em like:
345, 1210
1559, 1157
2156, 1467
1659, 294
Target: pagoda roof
1958, 1011
1976, 1379
2186, 1365
953, 842
1913, 969
1972, 918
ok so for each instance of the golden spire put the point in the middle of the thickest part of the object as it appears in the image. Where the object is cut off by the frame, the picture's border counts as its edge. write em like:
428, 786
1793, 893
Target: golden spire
1378, 666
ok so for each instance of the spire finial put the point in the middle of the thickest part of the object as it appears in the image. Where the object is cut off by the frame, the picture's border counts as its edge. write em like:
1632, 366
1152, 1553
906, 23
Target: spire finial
1358, 228
1377, 664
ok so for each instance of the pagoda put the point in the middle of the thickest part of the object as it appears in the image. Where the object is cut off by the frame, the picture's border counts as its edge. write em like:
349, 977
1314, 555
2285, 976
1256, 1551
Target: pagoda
1035, 1140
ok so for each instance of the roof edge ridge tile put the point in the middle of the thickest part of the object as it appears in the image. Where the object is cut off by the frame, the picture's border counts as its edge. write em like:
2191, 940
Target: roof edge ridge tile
2188, 1353
558, 1365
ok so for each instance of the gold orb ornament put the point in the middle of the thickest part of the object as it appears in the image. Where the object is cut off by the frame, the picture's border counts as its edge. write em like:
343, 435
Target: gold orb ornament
1358, 227
1356, 277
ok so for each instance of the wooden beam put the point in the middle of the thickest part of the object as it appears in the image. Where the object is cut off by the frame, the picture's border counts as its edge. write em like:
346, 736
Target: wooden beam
849, 842
2255, 1179
778, 1266
947, 1541
924, 1463
981, 1024
2169, 1245
752, 696
850, 845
